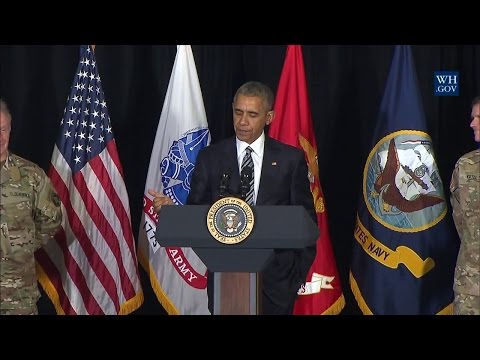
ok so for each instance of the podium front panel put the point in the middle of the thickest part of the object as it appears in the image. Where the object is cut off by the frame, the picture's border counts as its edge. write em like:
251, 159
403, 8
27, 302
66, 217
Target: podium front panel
234, 259
237, 294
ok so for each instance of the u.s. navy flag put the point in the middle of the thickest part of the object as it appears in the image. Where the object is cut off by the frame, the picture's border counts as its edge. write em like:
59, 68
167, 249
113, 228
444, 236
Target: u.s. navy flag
177, 275
91, 267
405, 245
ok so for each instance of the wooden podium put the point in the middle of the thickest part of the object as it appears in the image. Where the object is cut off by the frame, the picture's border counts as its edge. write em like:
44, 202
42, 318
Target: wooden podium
237, 267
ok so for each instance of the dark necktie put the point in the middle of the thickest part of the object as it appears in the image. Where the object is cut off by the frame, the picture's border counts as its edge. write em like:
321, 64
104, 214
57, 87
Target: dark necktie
248, 161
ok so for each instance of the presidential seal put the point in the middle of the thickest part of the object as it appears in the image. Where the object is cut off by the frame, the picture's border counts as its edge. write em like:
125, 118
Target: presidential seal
230, 220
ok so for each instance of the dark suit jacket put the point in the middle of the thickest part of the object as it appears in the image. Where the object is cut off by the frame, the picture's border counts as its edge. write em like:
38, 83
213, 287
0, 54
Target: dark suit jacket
284, 181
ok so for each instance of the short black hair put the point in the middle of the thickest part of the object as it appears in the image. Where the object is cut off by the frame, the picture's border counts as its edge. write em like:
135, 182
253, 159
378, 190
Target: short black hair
257, 89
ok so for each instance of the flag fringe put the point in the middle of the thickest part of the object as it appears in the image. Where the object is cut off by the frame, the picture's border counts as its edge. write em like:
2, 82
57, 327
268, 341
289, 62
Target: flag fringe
337, 307
49, 289
358, 296
132, 304
157, 289
447, 310
126, 308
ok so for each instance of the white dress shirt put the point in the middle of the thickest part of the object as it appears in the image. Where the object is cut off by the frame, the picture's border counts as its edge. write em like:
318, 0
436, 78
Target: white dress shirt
257, 157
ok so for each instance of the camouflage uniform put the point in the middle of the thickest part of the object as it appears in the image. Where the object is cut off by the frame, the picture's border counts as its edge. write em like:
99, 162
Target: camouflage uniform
465, 199
30, 215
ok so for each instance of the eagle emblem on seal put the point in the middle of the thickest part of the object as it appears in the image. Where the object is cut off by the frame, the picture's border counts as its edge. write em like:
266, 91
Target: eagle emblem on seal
231, 220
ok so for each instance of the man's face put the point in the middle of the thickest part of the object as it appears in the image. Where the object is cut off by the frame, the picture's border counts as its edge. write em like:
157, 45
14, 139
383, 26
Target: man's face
250, 117
5, 123
475, 124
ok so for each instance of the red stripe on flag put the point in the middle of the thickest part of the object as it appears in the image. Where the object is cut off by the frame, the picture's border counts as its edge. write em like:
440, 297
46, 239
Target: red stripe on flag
73, 269
95, 261
55, 278
124, 216
109, 188
112, 151
105, 230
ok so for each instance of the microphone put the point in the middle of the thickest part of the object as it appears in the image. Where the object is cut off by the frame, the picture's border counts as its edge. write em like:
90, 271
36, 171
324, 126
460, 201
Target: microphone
223, 188
245, 177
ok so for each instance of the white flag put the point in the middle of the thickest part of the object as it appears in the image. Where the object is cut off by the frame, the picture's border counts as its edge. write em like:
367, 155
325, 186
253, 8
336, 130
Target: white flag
177, 275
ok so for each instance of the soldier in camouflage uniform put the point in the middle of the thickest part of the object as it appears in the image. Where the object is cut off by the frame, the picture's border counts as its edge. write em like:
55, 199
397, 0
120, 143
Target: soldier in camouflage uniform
30, 215
465, 199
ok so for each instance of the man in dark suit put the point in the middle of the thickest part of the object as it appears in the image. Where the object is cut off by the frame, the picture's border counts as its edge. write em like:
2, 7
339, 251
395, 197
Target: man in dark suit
280, 177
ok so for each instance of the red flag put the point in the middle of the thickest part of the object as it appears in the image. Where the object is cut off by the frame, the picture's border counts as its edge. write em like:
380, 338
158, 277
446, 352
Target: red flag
91, 267
293, 125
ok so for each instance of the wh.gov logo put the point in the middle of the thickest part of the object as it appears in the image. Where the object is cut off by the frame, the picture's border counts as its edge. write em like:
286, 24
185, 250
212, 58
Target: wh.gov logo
446, 83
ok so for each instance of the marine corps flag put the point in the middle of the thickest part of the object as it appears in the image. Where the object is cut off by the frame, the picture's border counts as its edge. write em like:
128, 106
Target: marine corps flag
405, 245
322, 292
177, 275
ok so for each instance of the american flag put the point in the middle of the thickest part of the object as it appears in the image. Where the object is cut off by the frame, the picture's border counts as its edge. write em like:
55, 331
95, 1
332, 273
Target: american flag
91, 267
